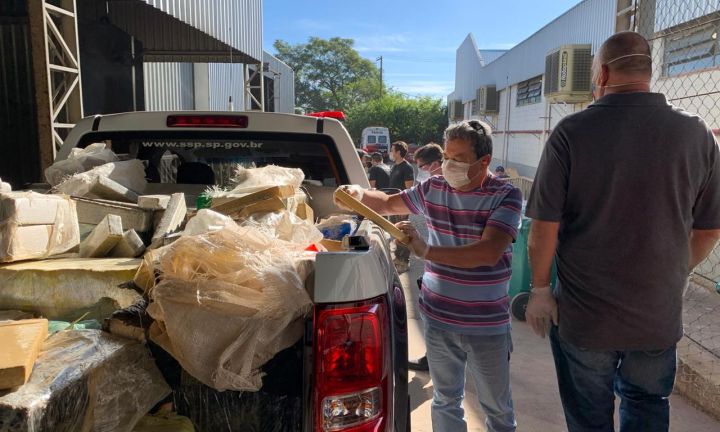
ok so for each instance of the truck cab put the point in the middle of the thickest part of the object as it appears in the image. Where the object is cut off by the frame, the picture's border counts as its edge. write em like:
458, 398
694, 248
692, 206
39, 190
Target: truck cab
349, 371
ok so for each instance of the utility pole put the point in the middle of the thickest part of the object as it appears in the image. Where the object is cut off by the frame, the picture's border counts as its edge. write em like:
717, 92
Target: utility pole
380, 59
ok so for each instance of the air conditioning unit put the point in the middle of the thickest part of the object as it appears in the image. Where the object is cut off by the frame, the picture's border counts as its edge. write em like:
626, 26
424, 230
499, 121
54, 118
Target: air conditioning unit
567, 74
456, 110
487, 100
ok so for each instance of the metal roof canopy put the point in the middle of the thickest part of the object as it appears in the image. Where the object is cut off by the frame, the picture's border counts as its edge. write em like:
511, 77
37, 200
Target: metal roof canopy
166, 38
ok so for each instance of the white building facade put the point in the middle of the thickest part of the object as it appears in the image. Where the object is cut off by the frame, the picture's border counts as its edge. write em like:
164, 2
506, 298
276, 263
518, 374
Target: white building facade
515, 91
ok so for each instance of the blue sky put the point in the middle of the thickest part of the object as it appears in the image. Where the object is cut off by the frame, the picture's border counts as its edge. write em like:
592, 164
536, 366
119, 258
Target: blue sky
417, 39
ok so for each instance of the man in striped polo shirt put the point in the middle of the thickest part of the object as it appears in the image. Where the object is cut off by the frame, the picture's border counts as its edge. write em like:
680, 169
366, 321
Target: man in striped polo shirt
472, 220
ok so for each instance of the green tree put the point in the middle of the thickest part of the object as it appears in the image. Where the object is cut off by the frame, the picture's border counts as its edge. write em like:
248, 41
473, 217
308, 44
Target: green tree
329, 73
413, 120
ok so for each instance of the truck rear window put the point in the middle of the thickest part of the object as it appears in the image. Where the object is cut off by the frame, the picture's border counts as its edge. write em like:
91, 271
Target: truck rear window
202, 157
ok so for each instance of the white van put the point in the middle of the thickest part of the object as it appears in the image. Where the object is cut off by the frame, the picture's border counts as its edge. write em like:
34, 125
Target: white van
375, 139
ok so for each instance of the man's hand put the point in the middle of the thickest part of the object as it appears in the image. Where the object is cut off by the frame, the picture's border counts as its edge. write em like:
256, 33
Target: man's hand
541, 310
353, 190
415, 241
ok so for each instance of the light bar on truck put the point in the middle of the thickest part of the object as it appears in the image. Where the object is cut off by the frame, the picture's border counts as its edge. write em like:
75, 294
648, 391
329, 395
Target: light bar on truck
208, 121
337, 115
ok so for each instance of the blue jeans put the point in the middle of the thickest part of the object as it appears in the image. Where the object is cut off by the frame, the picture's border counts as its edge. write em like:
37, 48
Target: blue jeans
488, 360
589, 380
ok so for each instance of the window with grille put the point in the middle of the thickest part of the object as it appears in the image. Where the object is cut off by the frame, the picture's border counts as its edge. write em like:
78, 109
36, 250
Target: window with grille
692, 50
529, 92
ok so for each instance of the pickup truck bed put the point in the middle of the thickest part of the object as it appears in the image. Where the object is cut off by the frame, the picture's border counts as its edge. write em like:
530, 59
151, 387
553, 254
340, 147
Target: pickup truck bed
349, 371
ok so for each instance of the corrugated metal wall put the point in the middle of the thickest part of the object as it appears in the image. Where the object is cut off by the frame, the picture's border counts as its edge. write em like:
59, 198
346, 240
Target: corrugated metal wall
590, 22
168, 86
20, 162
226, 80
236, 22
284, 79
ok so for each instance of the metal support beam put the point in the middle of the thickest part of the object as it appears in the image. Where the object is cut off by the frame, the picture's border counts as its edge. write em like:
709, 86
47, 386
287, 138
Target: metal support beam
254, 87
56, 71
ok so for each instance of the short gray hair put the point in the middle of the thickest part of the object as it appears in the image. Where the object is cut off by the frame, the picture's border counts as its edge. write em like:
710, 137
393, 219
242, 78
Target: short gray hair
475, 131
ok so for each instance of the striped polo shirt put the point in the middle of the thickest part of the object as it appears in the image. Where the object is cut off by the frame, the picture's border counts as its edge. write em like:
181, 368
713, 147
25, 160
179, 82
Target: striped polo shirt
468, 301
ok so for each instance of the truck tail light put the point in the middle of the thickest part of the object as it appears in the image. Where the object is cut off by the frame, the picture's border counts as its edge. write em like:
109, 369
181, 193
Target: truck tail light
352, 367
214, 121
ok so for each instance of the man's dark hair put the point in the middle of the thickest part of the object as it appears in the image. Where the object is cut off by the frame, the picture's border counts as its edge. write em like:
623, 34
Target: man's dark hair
477, 132
622, 44
429, 153
400, 146
377, 157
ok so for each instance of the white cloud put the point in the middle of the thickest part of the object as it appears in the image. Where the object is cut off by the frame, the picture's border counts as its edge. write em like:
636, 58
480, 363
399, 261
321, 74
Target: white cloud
392, 42
433, 88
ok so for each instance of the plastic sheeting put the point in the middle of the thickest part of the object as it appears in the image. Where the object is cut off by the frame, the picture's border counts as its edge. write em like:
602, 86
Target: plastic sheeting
285, 225
277, 407
79, 160
227, 302
84, 381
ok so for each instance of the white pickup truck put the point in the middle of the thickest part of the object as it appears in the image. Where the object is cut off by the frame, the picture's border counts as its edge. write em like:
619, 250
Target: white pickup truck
349, 372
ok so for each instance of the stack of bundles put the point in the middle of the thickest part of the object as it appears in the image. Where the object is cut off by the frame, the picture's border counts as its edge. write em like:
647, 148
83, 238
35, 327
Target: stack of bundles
36, 226
84, 380
264, 190
228, 301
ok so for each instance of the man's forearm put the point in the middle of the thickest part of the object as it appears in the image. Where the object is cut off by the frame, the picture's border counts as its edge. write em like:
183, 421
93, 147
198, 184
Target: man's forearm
541, 250
702, 242
485, 252
385, 204
470, 256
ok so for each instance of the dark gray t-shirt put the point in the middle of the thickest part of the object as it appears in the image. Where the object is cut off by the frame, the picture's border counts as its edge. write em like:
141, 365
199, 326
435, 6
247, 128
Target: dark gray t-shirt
628, 178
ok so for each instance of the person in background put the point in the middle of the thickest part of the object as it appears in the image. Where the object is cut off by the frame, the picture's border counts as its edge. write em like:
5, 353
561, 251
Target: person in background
379, 173
364, 159
429, 159
500, 172
472, 219
627, 200
401, 177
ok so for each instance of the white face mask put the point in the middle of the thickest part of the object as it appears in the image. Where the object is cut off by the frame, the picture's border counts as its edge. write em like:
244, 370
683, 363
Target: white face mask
422, 176
456, 173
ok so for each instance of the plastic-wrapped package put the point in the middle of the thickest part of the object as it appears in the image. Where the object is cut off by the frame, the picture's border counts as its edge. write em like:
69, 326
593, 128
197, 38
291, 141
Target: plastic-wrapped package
276, 407
130, 173
84, 381
247, 179
34, 225
79, 160
205, 221
338, 226
227, 302
285, 225
66, 288
164, 422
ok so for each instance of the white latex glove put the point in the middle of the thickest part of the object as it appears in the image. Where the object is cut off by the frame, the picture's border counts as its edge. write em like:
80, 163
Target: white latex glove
415, 241
541, 310
353, 190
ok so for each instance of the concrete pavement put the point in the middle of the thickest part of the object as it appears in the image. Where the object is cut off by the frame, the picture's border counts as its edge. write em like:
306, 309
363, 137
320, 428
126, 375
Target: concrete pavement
535, 392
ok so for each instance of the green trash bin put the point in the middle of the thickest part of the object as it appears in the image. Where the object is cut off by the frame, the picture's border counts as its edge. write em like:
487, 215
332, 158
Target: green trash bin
519, 291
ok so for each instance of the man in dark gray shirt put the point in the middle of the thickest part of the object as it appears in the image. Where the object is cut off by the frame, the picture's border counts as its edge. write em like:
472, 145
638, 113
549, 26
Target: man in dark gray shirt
627, 199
